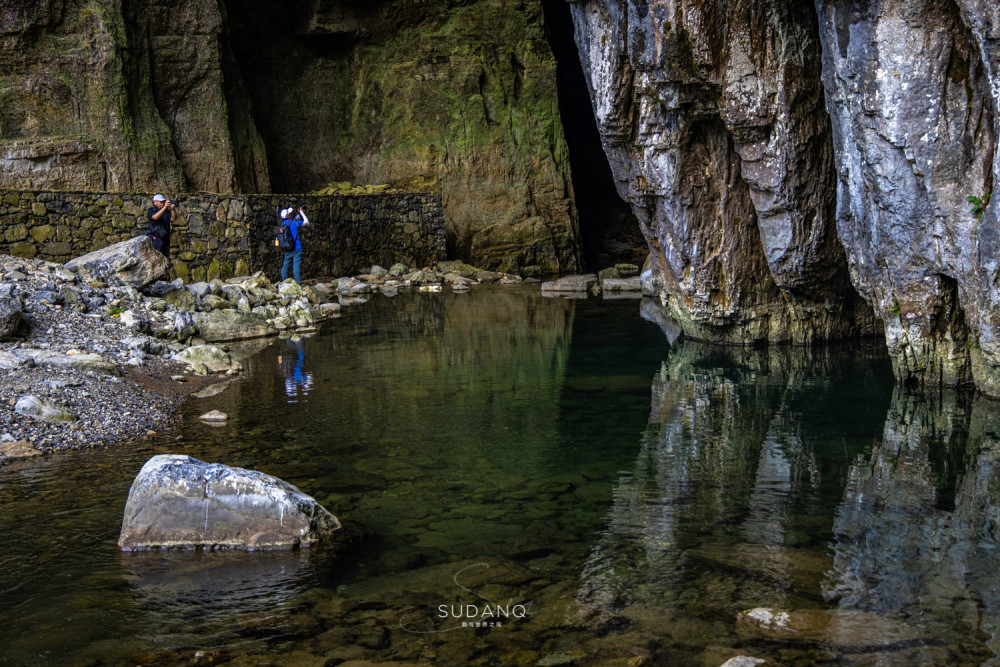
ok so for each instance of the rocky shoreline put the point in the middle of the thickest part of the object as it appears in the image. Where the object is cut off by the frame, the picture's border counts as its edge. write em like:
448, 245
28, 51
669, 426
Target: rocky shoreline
89, 360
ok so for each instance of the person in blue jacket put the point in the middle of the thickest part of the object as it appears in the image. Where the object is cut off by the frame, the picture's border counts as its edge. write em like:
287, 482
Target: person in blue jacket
293, 257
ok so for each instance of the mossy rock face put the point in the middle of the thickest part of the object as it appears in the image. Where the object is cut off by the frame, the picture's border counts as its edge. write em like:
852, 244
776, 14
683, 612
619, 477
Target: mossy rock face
87, 116
459, 100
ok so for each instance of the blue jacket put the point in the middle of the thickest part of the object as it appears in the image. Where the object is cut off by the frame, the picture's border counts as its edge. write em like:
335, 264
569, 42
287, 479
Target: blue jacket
294, 226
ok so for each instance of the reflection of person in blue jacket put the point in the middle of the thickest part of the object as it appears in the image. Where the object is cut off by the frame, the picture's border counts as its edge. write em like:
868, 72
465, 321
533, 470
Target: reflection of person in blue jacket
297, 381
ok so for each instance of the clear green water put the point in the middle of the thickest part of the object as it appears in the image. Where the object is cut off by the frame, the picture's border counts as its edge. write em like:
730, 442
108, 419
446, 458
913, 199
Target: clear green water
622, 501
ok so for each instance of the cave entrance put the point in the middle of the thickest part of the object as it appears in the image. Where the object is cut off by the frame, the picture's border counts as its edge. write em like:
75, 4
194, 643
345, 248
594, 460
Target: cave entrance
609, 231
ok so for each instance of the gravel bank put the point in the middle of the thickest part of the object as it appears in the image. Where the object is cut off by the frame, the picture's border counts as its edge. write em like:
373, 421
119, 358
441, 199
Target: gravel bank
85, 364
111, 408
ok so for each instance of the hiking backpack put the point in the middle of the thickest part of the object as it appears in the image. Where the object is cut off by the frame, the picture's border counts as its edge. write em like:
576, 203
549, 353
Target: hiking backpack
283, 237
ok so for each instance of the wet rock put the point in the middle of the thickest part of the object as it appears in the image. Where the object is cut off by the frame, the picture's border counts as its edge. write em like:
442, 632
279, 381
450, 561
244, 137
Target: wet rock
226, 325
179, 501
20, 449
212, 302
200, 289
161, 288
204, 359
627, 270
398, 270
622, 285
133, 262
289, 289
743, 661
575, 283
214, 416
766, 619
43, 410
212, 390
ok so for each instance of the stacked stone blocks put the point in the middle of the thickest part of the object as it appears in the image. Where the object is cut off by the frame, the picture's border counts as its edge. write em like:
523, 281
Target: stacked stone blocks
218, 236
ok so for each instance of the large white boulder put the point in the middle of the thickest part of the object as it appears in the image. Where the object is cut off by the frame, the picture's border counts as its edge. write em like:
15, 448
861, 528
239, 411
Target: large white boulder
133, 262
178, 501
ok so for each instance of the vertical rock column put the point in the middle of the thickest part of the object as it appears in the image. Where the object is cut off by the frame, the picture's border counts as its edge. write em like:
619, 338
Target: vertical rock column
715, 129
912, 94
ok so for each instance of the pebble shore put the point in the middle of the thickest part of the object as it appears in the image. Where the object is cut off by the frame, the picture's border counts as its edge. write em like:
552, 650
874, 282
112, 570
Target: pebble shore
118, 362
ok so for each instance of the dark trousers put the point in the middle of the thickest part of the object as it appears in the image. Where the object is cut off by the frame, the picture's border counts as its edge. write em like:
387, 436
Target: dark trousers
161, 243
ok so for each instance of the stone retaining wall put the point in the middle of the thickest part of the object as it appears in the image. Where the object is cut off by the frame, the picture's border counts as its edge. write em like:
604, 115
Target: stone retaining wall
225, 235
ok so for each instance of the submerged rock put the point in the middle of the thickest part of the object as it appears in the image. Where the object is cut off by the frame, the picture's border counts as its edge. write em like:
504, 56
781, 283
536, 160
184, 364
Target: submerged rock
177, 501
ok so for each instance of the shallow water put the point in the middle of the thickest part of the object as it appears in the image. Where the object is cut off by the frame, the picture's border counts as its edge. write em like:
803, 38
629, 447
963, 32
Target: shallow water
555, 466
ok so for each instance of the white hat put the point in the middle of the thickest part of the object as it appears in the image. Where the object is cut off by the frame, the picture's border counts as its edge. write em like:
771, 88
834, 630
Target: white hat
159, 198
285, 212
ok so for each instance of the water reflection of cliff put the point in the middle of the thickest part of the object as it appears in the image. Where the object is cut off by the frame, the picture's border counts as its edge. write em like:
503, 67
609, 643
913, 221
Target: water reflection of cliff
726, 505
916, 533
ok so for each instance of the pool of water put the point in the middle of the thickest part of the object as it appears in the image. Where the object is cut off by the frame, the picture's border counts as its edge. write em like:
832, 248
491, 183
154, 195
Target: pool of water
537, 481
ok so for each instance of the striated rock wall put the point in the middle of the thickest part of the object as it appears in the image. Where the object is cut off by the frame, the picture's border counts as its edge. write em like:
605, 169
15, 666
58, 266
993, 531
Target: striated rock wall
257, 96
912, 89
104, 95
715, 127
218, 236
781, 156
457, 97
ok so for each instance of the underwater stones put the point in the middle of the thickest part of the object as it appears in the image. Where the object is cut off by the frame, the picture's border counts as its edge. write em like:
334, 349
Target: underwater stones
766, 618
178, 501
43, 410
212, 390
133, 262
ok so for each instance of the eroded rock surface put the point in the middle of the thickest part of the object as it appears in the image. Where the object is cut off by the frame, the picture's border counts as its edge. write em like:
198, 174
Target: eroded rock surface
133, 262
912, 88
785, 158
717, 134
178, 501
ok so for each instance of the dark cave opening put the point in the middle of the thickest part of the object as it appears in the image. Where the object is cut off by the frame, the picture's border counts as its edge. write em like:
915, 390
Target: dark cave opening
609, 231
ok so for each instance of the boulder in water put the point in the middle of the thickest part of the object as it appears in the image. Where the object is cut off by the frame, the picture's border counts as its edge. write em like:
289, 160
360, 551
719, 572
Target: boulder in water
178, 501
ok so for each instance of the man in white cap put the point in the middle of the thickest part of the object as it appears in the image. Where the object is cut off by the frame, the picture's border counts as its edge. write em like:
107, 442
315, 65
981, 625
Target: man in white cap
293, 257
160, 215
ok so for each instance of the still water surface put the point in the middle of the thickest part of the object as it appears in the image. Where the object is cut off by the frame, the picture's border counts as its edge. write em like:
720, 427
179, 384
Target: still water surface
554, 470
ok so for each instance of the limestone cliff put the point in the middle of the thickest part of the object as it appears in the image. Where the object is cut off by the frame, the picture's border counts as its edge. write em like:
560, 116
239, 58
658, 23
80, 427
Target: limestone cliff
460, 97
256, 96
102, 95
778, 153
